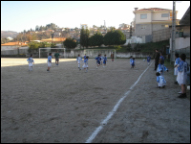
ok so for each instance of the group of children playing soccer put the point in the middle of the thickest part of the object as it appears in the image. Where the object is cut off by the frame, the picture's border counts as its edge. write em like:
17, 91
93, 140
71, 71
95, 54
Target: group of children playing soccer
99, 61
79, 59
180, 65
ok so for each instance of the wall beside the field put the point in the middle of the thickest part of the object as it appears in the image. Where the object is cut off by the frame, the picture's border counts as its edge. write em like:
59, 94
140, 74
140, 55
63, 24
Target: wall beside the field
22, 51
74, 54
134, 54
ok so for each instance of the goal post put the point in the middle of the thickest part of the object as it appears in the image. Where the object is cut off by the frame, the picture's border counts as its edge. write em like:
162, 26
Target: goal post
54, 49
92, 53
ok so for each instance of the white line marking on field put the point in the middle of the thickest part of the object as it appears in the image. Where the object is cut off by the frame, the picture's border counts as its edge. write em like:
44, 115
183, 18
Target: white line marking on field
104, 122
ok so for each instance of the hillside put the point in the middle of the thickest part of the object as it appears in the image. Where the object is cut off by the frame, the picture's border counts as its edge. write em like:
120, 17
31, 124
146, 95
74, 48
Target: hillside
5, 34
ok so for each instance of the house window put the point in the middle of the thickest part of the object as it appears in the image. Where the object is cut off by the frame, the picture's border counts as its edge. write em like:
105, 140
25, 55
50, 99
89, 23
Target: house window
143, 16
165, 15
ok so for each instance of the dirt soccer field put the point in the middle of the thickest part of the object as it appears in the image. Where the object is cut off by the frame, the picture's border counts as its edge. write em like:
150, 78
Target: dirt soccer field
112, 104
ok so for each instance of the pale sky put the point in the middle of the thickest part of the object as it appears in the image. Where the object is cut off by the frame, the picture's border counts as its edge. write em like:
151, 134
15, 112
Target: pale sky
23, 15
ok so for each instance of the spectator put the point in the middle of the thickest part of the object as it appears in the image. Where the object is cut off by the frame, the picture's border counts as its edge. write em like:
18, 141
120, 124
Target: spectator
157, 55
182, 75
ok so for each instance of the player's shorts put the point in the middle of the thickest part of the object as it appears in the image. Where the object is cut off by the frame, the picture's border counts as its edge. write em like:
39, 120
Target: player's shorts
57, 59
104, 62
98, 62
85, 65
49, 64
30, 64
132, 64
181, 78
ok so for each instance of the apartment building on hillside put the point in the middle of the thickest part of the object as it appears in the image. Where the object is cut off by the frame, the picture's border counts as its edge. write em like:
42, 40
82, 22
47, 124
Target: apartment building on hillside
149, 20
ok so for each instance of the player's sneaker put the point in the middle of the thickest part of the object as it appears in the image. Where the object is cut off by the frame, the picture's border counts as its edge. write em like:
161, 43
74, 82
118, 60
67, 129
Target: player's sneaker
182, 95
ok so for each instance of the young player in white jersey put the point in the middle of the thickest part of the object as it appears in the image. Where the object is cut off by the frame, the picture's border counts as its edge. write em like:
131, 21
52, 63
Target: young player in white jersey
31, 62
79, 59
182, 75
101, 59
85, 66
176, 63
160, 80
49, 61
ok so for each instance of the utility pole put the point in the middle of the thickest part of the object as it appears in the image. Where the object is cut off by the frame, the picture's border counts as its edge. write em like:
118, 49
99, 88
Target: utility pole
131, 30
105, 27
173, 31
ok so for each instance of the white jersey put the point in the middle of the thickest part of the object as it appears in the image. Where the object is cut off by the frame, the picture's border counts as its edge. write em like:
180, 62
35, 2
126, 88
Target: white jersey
79, 59
30, 61
182, 72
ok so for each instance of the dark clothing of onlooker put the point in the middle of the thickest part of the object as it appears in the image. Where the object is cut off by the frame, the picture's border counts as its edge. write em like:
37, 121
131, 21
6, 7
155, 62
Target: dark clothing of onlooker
157, 56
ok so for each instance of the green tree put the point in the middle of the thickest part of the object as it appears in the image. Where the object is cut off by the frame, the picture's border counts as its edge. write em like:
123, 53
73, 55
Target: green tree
43, 45
96, 39
114, 38
53, 45
70, 43
84, 37
33, 47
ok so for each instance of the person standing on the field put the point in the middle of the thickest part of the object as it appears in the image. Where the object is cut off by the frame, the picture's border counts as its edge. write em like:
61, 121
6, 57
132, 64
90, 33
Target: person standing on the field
176, 63
79, 59
56, 55
84, 58
104, 60
112, 56
49, 61
157, 56
148, 59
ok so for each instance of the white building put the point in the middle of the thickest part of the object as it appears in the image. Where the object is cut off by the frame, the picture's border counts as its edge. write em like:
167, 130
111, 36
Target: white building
149, 20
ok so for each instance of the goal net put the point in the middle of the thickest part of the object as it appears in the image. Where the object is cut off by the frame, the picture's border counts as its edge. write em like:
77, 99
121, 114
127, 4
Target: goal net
44, 52
92, 53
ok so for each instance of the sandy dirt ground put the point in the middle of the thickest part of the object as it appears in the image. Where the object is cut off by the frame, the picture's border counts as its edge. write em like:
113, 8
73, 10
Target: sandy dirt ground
66, 105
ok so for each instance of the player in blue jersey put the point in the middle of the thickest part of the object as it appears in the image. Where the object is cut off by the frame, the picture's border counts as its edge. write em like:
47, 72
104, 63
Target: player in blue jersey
31, 62
160, 80
148, 59
176, 63
49, 61
161, 58
79, 59
84, 57
132, 62
104, 60
98, 59
85, 66
161, 68
182, 75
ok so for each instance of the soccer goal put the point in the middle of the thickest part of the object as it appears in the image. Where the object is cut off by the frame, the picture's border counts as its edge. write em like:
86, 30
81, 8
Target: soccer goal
92, 53
43, 52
